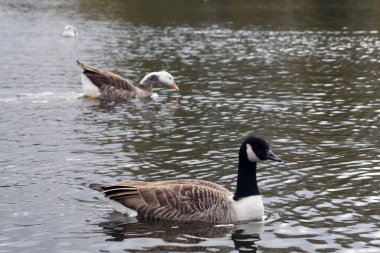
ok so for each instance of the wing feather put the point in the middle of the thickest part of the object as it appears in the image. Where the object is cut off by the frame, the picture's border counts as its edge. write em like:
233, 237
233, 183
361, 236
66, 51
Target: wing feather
174, 182
110, 84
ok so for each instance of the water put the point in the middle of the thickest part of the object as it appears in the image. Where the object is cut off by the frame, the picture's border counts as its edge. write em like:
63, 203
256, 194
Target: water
302, 75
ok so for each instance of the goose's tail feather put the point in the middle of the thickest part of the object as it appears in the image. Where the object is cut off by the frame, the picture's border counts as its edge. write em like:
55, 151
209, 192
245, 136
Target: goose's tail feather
96, 187
87, 67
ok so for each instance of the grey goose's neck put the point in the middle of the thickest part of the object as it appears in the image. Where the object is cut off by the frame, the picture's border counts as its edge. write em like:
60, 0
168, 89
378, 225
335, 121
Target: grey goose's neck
246, 181
148, 81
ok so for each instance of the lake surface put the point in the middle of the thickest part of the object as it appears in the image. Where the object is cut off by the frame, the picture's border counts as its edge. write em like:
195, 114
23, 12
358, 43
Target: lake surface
302, 74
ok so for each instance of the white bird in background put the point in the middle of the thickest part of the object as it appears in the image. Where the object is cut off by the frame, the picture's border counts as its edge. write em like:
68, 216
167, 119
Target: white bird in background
70, 31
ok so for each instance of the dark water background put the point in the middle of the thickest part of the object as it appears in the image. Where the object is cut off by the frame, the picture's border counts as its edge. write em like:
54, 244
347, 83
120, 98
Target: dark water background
302, 74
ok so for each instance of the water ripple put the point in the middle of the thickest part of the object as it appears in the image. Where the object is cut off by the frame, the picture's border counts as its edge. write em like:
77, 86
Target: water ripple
312, 93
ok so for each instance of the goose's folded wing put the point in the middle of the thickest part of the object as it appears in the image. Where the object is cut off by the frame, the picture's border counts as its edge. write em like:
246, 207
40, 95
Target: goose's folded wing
104, 78
172, 201
136, 183
203, 183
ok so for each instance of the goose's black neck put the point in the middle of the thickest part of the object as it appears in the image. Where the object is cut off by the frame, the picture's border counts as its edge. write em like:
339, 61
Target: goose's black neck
246, 181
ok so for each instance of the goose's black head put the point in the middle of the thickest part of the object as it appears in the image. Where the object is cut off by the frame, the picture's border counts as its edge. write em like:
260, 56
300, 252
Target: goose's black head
255, 149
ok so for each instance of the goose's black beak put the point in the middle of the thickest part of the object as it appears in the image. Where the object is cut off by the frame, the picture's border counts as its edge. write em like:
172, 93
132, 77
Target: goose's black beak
273, 157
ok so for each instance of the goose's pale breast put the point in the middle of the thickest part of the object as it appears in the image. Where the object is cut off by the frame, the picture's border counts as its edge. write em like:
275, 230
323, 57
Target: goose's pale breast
142, 93
248, 208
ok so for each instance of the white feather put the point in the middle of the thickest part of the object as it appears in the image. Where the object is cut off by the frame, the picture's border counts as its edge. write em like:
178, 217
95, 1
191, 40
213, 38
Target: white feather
252, 155
154, 96
122, 209
70, 31
249, 208
89, 89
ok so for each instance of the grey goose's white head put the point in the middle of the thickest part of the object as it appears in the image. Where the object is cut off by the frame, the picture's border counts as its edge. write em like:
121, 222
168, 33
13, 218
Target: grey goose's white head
162, 77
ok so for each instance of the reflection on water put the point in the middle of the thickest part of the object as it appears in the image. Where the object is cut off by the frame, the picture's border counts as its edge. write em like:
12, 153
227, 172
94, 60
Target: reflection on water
180, 236
303, 75
273, 15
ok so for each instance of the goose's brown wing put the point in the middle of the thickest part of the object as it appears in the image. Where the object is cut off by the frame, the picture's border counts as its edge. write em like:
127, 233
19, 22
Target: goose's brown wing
136, 183
103, 78
172, 201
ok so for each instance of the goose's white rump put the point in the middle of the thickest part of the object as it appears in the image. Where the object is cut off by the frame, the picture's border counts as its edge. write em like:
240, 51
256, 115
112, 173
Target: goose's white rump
89, 88
122, 209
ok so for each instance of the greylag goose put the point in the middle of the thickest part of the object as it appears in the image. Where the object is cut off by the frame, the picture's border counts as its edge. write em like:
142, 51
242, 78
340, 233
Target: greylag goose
193, 199
97, 83
70, 31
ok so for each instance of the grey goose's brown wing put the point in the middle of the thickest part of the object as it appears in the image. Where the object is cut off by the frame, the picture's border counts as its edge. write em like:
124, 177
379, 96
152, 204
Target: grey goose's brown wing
107, 82
172, 201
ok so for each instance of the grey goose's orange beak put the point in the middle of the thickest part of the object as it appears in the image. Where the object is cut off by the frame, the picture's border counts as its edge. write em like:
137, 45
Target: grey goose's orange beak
174, 86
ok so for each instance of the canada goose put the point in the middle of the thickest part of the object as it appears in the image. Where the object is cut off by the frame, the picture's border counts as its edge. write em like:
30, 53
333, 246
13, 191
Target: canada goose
97, 83
70, 31
196, 200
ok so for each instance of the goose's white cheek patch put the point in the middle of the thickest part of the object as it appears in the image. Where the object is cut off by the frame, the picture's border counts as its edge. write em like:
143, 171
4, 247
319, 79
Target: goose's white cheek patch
252, 155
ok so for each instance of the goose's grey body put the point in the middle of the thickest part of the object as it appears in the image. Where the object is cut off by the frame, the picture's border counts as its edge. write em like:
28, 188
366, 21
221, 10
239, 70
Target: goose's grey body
192, 199
98, 83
